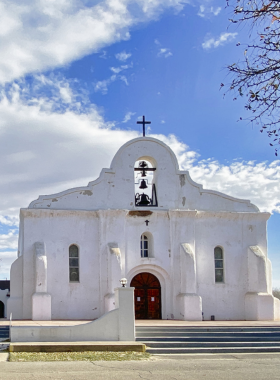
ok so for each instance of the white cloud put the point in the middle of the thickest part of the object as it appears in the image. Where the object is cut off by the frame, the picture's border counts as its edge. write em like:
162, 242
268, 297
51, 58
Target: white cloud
102, 85
10, 221
123, 56
6, 260
211, 42
47, 143
9, 240
259, 182
124, 79
117, 70
103, 55
205, 11
40, 35
128, 116
164, 52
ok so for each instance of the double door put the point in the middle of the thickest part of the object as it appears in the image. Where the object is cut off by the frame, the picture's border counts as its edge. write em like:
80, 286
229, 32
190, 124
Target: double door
147, 296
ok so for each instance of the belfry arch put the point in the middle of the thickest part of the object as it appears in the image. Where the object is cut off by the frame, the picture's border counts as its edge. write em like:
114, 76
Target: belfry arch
145, 182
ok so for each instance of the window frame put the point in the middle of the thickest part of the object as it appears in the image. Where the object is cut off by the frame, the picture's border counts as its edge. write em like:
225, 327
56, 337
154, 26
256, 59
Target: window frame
144, 239
218, 266
77, 267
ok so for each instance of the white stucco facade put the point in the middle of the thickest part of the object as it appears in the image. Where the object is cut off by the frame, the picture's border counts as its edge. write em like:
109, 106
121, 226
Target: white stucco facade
183, 230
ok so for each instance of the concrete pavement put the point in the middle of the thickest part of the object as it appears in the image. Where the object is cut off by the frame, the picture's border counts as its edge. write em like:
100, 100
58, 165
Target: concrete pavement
146, 322
187, 367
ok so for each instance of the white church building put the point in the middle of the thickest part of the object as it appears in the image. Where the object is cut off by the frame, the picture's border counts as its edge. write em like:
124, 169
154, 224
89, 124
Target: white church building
190, 253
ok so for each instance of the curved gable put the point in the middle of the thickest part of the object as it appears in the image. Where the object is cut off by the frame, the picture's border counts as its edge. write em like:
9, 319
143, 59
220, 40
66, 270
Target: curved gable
114, 189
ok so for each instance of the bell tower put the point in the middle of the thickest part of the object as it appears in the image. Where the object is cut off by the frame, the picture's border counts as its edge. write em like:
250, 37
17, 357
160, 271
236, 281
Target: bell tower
145, 188
144, 179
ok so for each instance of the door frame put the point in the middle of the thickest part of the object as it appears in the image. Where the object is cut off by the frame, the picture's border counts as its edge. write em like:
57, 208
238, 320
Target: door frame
165, 285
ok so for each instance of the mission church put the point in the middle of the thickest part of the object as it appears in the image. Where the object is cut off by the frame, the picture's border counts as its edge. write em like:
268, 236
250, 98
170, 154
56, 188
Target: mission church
190, 253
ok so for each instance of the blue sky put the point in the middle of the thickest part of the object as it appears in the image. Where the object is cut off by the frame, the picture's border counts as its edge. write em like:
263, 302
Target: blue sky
75, 76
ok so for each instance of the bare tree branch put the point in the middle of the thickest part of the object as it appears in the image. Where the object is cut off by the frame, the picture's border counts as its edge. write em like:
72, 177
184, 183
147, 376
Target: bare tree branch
257, 77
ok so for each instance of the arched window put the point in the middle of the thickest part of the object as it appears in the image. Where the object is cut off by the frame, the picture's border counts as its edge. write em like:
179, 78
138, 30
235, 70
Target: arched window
74, 263
219, 264
144, 246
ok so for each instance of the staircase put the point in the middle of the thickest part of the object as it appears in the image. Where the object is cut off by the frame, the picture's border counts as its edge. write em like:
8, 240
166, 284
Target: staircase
191, 340
4, 333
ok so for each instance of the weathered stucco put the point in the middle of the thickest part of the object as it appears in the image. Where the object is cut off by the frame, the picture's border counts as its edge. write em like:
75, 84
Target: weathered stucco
103, 221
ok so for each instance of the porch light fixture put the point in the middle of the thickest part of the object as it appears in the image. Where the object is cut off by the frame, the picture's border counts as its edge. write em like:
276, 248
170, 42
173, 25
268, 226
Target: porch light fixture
123, 281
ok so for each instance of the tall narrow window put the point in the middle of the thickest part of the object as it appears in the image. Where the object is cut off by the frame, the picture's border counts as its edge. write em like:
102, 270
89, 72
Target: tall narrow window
219, 264
144, 246
74, 263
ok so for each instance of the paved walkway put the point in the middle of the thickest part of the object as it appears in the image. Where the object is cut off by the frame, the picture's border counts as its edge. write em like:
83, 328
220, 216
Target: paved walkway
154, 322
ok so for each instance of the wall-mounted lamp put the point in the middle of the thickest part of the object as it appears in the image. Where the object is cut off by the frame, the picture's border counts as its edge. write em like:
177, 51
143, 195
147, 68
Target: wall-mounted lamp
123, 281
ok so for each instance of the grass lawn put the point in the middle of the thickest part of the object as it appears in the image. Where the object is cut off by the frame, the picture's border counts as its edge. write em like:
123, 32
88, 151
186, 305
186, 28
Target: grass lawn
81, 356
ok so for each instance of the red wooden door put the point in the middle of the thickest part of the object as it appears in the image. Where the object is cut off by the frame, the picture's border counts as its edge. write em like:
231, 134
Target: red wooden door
147, 296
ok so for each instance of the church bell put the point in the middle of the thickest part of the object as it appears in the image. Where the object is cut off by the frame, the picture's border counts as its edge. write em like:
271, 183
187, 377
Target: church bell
143, 184
145, 200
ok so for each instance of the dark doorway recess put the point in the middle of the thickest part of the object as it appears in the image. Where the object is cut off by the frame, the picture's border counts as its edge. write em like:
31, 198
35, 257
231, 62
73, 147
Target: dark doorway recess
147, 296
1, 309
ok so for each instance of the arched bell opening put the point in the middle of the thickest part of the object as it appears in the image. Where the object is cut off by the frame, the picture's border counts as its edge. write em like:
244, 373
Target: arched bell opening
144, 182
147, 296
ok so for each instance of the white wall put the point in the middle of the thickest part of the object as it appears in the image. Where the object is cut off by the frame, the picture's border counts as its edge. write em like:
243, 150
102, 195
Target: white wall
117, 325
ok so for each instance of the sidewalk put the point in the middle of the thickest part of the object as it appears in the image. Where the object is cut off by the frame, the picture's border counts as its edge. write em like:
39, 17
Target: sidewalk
151, 322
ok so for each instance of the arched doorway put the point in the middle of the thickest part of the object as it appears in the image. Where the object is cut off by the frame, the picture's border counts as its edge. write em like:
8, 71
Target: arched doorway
1, 309
147, 296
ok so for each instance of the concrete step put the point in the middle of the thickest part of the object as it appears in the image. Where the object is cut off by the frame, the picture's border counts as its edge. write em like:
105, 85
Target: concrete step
181, 340
227, 335
211, 344
4, 333
208, 329
207, 338
223, 350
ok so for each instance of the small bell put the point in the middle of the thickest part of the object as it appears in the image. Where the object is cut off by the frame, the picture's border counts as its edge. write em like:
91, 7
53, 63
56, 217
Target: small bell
143, 184
143, 165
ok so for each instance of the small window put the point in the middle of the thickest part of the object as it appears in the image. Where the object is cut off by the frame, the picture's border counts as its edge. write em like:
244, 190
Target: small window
219, 264
74, 263
144, 246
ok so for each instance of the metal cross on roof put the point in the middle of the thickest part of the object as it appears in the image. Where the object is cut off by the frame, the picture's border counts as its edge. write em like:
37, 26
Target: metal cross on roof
143, 122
